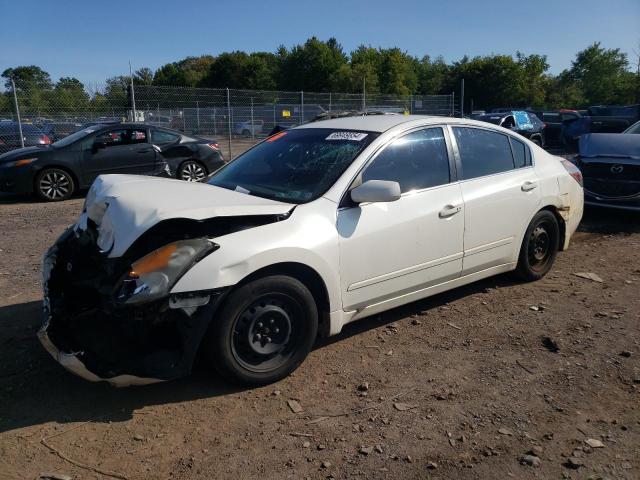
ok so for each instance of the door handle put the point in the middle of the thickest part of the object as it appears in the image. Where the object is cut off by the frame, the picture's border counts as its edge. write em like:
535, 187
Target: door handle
449, 210
528, 186
144, 151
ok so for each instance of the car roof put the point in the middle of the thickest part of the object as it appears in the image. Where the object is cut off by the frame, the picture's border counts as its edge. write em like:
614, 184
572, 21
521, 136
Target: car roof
370, 123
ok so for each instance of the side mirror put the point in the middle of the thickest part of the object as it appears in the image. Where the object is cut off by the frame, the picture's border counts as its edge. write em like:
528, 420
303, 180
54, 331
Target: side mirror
98, 145
376, 191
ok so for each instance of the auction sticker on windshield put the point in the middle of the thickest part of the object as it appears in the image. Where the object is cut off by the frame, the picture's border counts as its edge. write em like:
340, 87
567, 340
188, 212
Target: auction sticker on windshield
353, 136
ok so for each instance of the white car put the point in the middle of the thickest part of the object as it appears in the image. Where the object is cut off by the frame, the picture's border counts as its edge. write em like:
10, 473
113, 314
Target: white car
311, 229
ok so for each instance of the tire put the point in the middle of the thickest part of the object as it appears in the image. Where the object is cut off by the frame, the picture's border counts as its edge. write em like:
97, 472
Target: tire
537, 141
54, 185
539, 247
192, 171
263, 332
246, 133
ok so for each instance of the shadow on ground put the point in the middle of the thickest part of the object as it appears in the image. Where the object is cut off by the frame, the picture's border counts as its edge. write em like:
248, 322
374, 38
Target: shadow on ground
35, 390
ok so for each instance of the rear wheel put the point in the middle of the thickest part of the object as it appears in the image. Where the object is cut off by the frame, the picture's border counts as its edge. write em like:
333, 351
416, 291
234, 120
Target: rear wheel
54, 184
264, 331
192, 171
537, 141
539, 247
246, 132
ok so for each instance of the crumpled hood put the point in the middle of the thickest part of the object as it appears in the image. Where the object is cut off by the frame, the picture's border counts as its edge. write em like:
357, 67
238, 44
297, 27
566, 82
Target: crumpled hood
126, 206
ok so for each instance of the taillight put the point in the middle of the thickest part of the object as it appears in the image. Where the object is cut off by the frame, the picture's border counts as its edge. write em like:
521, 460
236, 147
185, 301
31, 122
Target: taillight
573, 171
213, 146
44, 140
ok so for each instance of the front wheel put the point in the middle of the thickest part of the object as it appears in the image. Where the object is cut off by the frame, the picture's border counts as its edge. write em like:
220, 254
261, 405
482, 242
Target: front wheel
192, 171
539, 247
264, 331
54, 184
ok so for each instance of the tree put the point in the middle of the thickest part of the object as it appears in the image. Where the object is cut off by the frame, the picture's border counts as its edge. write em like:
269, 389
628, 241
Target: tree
143, 76
188, 72
601, 75
432, 76
313, 66
397, 72
27, 77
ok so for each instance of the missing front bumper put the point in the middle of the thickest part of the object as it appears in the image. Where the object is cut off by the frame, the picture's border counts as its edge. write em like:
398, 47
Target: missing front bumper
92, 336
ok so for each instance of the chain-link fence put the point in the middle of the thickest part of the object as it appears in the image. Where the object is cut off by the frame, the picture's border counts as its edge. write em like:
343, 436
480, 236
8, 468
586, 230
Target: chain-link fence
235, 118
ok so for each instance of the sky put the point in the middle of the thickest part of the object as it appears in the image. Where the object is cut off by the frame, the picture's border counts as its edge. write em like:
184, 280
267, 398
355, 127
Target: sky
94, 40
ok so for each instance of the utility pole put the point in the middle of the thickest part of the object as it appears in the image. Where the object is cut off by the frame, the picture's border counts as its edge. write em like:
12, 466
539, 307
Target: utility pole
364, 93
133, 93
15, 100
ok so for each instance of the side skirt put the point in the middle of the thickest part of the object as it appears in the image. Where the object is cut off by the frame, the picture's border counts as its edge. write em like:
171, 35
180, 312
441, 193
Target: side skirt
339, 319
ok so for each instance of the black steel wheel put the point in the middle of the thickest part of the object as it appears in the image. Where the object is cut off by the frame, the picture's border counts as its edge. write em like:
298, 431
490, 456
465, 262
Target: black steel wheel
539, 246
192, 171
54, 184
264, 330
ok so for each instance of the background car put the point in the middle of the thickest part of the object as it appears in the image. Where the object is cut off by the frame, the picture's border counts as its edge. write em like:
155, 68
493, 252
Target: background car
525, 123
610, 165
248, 128
10, 136
55, 172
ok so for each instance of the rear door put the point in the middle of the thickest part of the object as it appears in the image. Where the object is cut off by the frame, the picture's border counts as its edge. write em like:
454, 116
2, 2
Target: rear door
119, 150
501, 194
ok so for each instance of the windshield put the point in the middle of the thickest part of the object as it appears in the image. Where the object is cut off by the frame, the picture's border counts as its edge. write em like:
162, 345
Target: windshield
69, 139
294, 166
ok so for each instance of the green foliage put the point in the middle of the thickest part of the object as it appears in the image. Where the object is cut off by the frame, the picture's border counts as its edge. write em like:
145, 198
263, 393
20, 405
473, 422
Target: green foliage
596, 76
602, 75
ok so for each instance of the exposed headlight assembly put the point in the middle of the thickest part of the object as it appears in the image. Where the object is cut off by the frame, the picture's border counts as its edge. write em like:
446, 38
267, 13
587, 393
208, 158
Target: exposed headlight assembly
153, 276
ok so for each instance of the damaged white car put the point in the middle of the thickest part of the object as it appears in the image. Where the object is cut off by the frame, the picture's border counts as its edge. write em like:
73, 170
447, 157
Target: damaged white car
311, 229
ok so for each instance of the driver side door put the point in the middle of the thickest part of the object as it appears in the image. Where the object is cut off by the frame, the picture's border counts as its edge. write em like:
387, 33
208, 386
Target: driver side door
119, 150
391, 249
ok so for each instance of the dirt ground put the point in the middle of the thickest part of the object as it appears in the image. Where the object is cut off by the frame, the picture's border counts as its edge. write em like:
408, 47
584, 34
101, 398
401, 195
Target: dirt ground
462, 385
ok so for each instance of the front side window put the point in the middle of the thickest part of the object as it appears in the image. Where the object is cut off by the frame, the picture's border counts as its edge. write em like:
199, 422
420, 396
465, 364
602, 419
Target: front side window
294, 166
416, 161
112, 138
482, 152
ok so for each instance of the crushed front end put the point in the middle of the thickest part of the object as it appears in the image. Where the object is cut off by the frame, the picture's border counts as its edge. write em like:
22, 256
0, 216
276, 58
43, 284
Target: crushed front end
103, 323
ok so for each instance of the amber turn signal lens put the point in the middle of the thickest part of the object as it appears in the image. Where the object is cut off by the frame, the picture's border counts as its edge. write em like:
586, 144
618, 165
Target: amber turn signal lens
23, 162
153, 262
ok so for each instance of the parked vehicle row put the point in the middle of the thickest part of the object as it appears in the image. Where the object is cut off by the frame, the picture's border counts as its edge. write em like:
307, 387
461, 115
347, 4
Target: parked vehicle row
54, 172
313, 228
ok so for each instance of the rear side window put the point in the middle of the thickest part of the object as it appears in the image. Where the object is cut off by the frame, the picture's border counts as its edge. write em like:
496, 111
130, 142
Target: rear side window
159, 136
416, 161
521, 157
482, 152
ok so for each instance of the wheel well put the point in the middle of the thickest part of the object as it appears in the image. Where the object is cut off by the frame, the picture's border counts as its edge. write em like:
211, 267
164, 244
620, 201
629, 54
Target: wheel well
76, 183
561, 223
309, 277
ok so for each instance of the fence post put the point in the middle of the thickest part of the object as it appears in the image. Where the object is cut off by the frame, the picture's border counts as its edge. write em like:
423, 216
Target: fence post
462, 98
453, 103
301, 106
229, 121
15, 100
198, 115
329, 101
158, 113
252, 129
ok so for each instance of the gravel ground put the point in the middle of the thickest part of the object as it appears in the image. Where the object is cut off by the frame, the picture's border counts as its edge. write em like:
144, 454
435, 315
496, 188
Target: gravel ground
463, 385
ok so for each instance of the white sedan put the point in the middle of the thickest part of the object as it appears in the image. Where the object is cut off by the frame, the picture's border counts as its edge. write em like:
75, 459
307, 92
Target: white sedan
311, 229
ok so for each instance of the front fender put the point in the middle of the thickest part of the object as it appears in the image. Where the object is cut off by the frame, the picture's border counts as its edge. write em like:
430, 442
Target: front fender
306, 238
